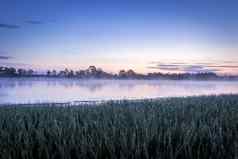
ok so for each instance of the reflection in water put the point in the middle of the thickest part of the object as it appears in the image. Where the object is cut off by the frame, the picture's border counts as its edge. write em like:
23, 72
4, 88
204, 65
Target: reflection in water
65, 90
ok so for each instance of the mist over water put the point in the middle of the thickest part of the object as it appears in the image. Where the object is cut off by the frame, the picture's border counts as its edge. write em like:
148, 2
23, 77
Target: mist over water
26, 90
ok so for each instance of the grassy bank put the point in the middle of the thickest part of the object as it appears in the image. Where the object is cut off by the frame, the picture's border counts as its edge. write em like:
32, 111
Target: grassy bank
182, 128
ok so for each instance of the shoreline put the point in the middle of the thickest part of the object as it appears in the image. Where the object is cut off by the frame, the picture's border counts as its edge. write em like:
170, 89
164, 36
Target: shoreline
119, 79
105, 102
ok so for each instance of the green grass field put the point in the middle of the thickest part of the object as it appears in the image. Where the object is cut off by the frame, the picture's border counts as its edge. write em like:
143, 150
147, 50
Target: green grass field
173, 128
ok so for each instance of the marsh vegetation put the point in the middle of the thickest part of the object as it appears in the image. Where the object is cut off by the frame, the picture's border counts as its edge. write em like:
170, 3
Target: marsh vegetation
176, 128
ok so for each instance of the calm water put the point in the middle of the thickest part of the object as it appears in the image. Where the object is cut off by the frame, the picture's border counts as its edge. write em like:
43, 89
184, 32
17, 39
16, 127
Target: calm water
61, 90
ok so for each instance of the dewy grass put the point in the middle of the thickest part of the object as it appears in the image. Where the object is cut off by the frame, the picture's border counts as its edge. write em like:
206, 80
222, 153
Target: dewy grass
175, 128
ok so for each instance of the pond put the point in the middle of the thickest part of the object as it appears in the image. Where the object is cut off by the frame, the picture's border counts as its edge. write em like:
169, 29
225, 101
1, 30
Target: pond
40, 90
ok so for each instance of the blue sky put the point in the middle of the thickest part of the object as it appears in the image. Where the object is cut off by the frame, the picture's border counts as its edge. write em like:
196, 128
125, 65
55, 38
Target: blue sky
145, 35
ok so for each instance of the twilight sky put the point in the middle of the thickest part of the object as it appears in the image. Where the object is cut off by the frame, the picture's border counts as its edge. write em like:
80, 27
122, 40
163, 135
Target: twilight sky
145, 35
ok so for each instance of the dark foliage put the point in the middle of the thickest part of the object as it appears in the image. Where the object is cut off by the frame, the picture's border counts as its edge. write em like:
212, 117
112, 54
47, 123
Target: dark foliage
176, 128
97, 73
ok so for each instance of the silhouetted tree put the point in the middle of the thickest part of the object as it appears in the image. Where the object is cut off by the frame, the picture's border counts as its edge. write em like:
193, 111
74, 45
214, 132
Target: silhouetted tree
48, 73
93, 72
122, 74
30, 72
71, 73
54, 73
21, 72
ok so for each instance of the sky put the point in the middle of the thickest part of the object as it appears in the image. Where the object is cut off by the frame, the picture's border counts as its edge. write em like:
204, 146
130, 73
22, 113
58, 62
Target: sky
144, 35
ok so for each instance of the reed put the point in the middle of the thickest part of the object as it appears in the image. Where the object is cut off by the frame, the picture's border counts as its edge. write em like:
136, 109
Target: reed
173, 128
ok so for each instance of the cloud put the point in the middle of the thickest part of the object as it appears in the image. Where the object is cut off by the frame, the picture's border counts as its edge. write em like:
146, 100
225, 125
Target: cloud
169, 67
192, 68
16, 65
15, 26
5, 57
34, 22
223, 66
197, 69
9, 26
164, 68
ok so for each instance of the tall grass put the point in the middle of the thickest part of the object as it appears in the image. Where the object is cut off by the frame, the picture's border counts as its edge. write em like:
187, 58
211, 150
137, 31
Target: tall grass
176, 128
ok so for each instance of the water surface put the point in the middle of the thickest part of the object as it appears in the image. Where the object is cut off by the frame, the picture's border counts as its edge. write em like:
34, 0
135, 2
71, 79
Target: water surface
30, 90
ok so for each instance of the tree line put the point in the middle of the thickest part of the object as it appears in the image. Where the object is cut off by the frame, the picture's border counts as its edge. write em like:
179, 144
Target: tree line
93, 72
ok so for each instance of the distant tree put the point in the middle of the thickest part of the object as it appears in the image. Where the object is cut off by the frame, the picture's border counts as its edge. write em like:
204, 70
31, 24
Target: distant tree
30, 72
54, 73
81, 73
66, 72
21, 72
94, 72
48, 73
92, 69
11, 71
122, 74
5, 71
131, 74
77, 73
61, 74
71, 73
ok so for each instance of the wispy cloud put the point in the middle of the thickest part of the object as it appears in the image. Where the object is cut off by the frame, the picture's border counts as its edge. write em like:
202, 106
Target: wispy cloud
164, 68
16, 26
197, 69
192, 68
15, 64
5, 57
35, 22
9, 26
223, 66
